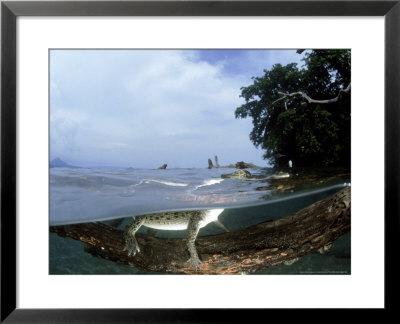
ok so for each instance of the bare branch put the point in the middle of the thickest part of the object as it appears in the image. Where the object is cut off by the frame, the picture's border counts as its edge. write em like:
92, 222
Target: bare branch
311, 100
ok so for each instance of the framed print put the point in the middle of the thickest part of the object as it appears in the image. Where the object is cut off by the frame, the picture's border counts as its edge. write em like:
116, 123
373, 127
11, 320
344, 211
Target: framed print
252, 118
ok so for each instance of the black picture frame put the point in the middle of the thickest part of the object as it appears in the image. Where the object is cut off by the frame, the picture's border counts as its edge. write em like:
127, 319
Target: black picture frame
10, 10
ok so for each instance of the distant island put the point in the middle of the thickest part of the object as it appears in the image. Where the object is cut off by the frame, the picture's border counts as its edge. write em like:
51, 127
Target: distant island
58, 163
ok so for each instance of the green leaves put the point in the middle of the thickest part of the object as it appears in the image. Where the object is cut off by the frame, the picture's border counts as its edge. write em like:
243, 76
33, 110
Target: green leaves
293, 129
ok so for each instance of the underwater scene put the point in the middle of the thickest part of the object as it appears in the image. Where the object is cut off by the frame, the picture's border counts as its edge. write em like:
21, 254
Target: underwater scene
91, 210
136, 185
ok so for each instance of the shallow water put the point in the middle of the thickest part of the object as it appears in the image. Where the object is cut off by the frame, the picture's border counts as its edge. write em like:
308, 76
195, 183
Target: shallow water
68, 256
84, 195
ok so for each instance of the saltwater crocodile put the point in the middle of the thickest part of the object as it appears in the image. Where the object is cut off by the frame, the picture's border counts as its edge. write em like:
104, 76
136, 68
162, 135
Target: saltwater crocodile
191, 220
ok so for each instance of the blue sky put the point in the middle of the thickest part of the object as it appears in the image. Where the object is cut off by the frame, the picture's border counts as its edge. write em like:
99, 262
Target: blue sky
144, 108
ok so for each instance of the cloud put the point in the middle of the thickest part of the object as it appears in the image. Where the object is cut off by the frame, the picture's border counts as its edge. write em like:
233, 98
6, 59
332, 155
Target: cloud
145, 107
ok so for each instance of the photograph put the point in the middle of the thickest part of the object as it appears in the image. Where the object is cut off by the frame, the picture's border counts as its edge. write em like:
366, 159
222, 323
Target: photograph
208, 161
193, 161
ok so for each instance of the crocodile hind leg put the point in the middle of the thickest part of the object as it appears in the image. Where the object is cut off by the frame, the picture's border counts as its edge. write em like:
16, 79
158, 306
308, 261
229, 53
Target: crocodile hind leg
131, 244
193, 230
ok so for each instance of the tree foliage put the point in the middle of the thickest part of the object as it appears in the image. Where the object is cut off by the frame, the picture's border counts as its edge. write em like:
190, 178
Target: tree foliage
293, 129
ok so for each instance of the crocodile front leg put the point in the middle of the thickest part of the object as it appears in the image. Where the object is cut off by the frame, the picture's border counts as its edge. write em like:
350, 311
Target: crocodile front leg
193, 230
131, 244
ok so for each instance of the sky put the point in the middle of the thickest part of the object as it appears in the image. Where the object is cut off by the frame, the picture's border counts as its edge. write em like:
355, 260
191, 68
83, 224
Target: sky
144, 108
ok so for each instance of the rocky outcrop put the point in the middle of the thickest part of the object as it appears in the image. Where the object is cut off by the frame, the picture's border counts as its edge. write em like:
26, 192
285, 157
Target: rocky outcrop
163, 167
210, 164
216, 162
238, 174
245, 165
242, 165
284, 181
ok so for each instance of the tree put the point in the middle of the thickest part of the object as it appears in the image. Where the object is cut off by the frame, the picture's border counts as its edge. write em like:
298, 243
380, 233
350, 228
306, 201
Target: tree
302, 114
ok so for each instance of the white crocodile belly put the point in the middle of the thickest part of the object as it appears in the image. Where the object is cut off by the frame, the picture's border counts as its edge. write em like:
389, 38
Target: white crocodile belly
167, 227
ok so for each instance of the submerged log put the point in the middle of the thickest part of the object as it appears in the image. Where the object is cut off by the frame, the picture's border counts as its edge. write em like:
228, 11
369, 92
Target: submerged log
311, 229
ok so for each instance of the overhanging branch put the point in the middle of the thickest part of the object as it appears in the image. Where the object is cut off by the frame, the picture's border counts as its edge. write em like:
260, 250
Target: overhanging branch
311, 100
